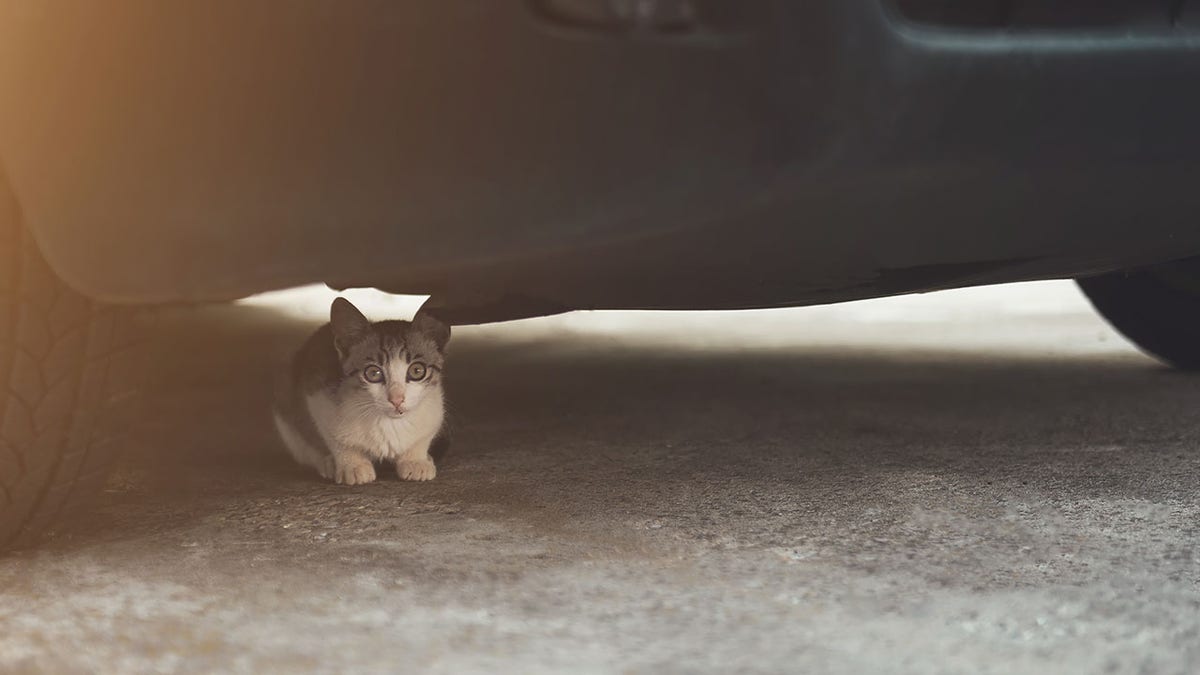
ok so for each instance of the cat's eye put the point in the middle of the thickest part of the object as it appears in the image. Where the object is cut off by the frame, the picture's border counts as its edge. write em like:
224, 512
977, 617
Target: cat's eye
416, 372
373, 374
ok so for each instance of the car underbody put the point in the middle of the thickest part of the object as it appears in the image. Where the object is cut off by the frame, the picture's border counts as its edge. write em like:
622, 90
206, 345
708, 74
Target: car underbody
514, 159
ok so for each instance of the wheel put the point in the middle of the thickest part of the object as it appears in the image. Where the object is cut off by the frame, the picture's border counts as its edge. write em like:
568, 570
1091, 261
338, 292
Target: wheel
66, 369
1157, 308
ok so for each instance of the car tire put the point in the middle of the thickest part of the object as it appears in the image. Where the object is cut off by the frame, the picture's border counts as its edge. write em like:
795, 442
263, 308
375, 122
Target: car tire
69, 368
1157, 308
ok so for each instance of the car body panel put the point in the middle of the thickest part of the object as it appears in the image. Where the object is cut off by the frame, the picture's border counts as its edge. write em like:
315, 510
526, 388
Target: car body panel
781, 154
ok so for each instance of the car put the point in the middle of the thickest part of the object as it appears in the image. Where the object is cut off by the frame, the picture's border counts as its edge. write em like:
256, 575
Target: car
516, 159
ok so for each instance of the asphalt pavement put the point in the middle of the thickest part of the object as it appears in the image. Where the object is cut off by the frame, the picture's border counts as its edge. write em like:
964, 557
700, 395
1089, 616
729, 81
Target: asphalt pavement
980, 481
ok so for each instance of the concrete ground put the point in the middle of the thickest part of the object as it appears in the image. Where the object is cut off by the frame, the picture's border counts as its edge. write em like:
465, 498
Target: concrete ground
984, 481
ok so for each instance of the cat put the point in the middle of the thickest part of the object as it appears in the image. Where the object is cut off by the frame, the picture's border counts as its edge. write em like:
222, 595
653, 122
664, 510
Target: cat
358, 393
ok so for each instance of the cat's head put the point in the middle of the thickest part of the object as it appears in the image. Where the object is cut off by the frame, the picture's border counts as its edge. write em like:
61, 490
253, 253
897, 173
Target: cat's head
388, 367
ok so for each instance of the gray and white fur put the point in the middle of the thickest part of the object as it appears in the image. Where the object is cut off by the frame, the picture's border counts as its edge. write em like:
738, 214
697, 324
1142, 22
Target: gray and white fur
360, 393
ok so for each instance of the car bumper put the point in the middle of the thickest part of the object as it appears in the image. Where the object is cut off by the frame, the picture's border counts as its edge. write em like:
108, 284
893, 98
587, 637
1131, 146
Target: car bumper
794, 153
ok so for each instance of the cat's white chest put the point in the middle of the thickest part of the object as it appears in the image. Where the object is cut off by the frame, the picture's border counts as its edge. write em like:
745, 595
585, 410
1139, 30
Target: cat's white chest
384, 438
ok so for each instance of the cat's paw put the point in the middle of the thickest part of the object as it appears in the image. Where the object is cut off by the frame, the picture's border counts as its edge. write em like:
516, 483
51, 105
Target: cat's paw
353, 471
416, 469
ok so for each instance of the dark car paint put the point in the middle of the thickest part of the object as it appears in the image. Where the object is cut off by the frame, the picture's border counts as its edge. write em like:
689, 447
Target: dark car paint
784, 153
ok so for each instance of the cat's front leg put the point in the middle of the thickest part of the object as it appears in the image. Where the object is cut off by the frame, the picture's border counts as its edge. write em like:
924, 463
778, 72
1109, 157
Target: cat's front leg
351, 466
416, 464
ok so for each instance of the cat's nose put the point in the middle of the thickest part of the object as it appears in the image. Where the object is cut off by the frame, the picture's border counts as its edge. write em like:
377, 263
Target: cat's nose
397, 401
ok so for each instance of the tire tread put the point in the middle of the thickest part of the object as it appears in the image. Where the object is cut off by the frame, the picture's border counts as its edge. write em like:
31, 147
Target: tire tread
63, 379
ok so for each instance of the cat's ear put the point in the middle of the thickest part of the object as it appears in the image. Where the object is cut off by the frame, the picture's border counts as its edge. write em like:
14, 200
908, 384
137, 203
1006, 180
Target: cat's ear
347, 323
432, 327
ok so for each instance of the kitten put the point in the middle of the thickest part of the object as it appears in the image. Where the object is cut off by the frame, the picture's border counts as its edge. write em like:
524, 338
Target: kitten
358, 393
